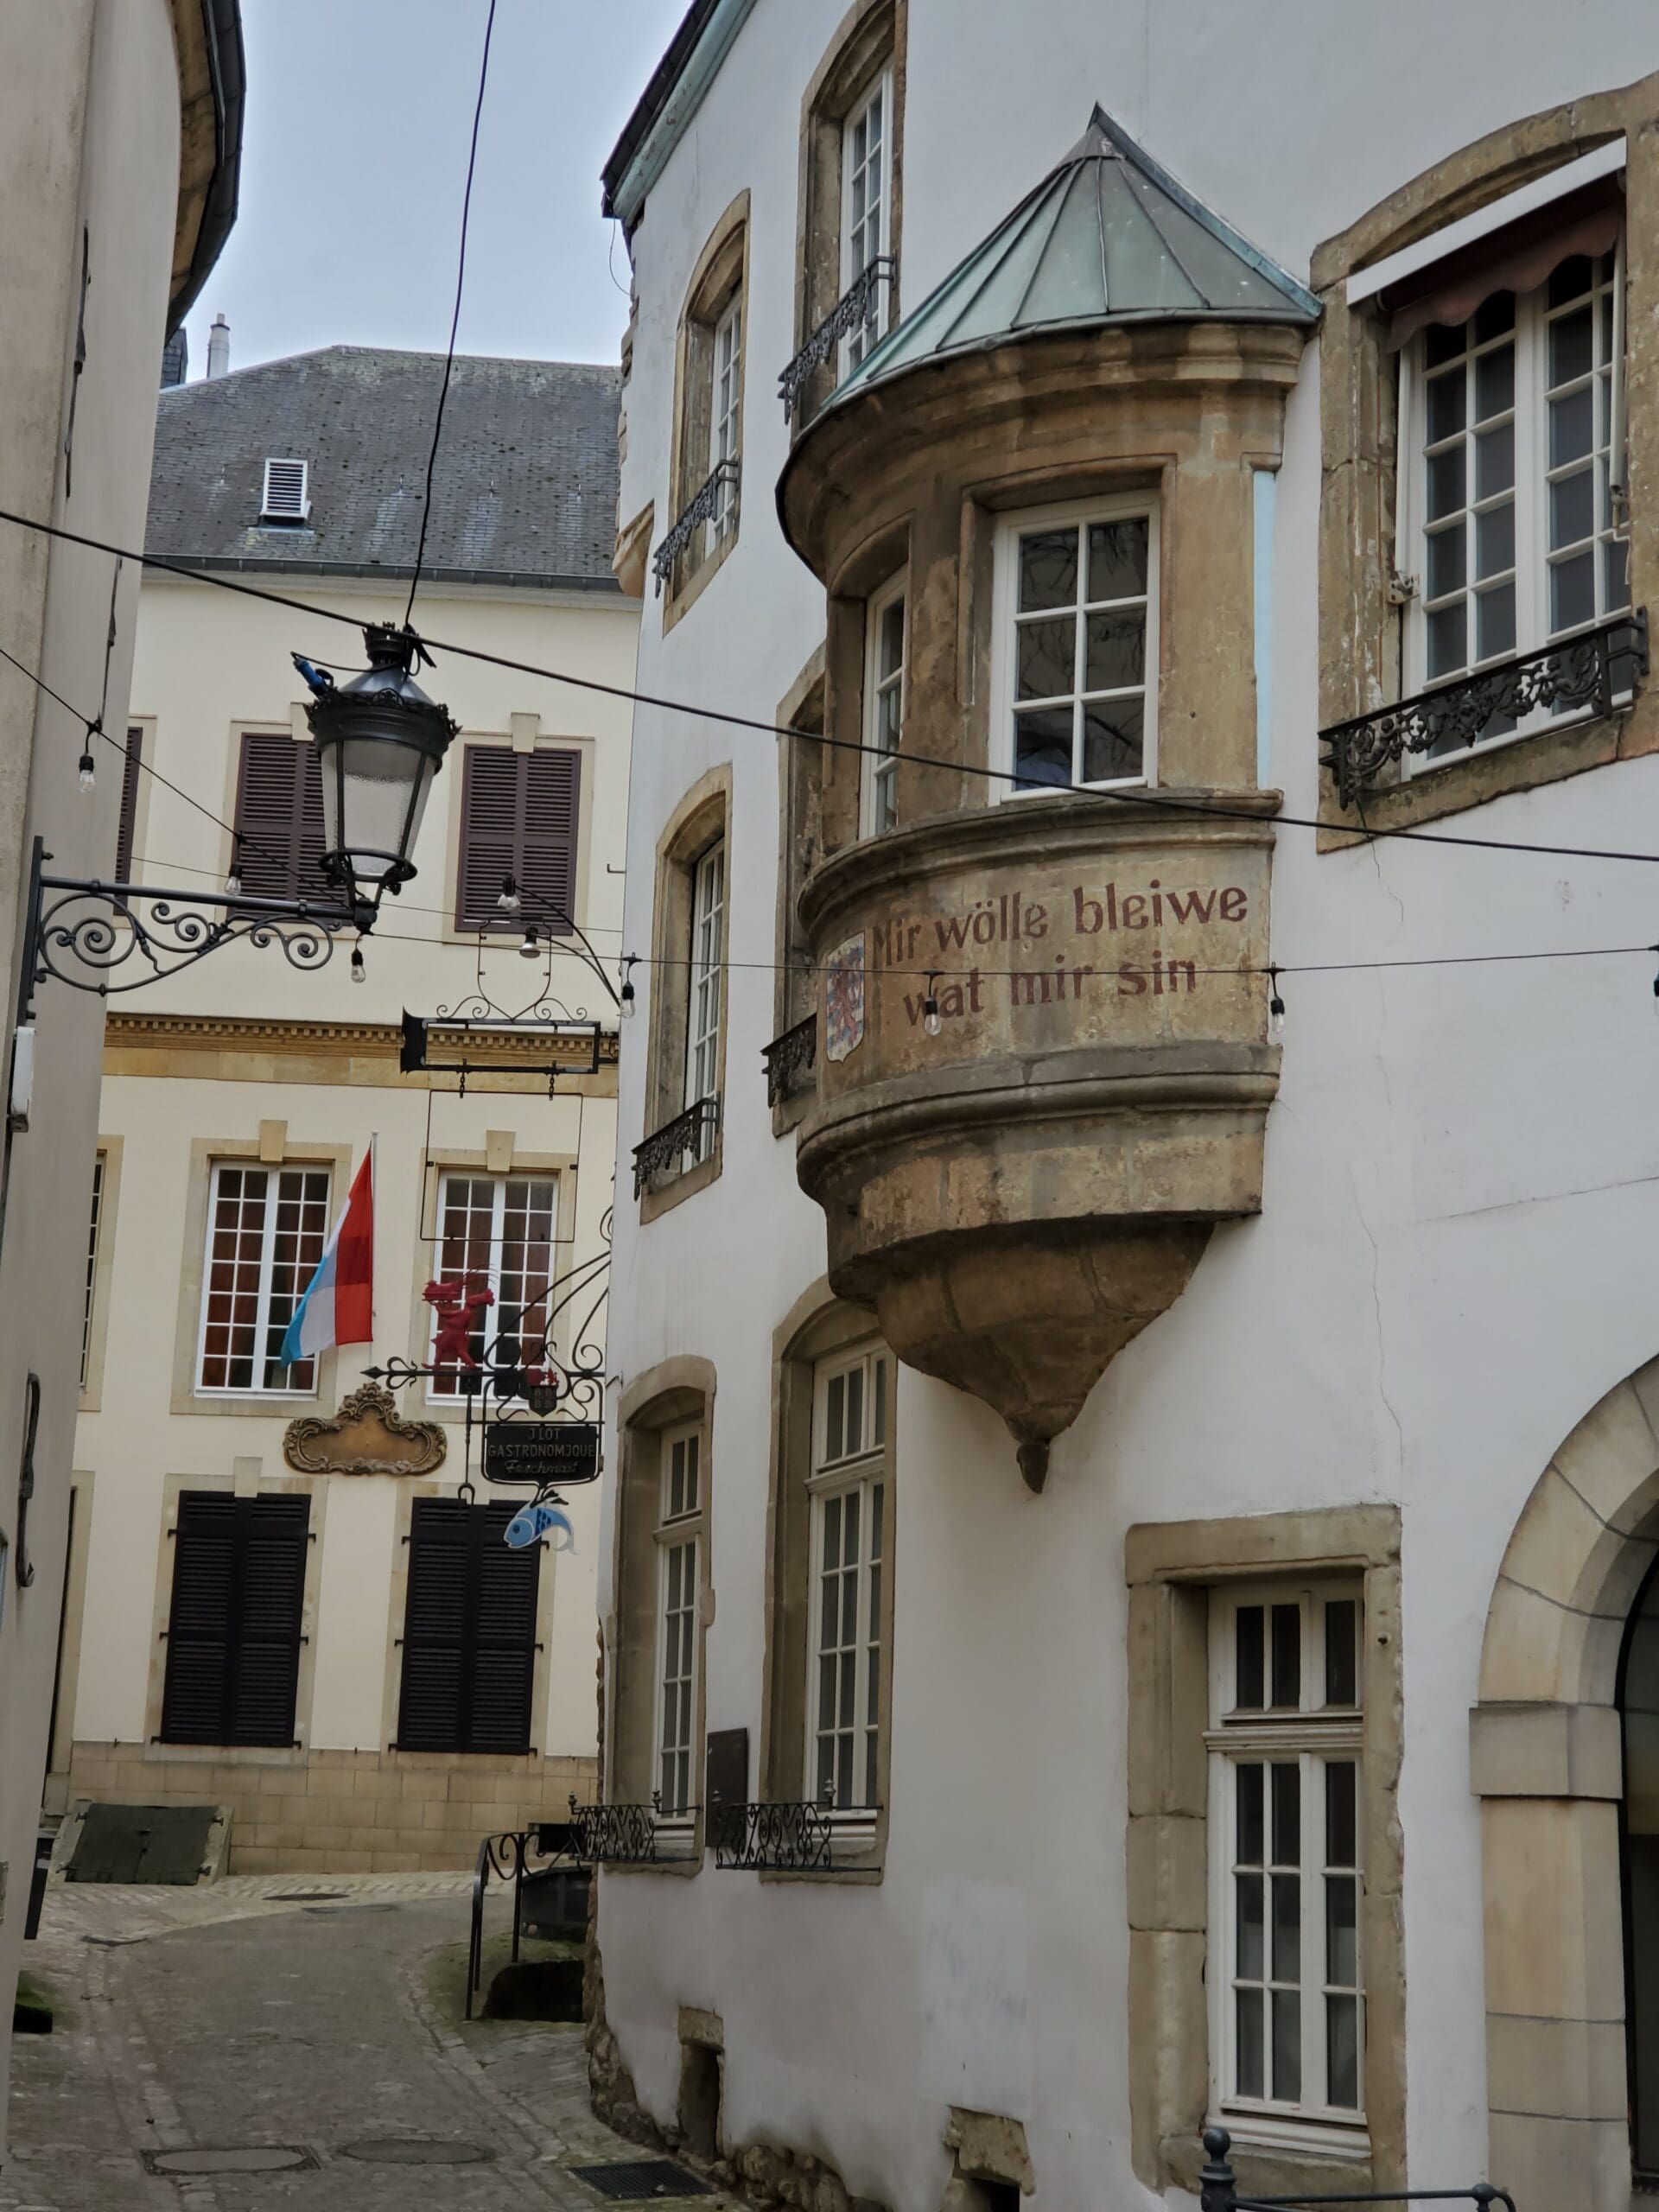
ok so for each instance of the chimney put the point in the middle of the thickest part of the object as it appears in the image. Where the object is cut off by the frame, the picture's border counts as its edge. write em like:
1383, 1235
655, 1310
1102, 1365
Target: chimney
219, 347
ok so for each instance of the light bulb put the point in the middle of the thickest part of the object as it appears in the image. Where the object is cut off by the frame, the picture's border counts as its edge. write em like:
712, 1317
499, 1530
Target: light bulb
530, 949
509, 902
359, 973
930, 1020
1276, 1005
233, 881
627, 1001
88, 771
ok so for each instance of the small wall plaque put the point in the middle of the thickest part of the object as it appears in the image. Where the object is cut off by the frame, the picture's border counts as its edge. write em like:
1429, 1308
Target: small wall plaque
367, 1436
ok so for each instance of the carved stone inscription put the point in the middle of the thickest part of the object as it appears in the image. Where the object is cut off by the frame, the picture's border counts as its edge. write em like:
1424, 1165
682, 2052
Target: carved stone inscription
1145, 949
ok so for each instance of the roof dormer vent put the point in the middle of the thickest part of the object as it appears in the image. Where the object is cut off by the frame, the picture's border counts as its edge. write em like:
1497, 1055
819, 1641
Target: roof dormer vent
287, 497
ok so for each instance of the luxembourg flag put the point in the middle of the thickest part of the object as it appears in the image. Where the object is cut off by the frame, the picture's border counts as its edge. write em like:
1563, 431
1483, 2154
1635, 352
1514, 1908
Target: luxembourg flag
339, 1306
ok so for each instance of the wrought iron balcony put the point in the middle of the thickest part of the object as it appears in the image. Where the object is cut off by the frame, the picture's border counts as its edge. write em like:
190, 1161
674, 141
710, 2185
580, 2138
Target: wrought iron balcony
792, 1838
1593, 668
789, 1058
678, 1144
627, 1835
854, 310
711, 500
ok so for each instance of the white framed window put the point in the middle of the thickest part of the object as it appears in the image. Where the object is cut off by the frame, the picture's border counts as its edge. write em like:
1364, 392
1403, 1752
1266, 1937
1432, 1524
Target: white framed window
679, 1535
849, 1484
286, 496
1286, 1973
865, 206
726, 414
1075, 652
886, 642
266, 1229
503, 1229
707, 982
1511, 494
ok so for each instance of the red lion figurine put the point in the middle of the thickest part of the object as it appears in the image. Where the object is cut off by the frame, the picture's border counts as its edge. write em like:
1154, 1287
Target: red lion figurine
457, 1301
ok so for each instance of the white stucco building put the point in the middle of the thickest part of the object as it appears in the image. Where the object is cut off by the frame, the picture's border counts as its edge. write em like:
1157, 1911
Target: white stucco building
1159, 1496
280, 1602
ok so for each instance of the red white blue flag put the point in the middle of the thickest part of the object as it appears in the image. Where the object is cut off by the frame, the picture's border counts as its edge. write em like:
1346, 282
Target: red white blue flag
337, 1308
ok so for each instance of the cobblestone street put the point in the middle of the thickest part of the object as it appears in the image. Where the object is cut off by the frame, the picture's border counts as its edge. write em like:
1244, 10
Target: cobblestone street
231, 2020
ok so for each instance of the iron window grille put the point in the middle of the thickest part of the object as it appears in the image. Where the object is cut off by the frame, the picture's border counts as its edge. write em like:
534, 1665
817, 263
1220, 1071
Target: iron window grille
1591, 672
857, 311
678, 1144
628, 1835
790, 1059
714, 498
793, 1837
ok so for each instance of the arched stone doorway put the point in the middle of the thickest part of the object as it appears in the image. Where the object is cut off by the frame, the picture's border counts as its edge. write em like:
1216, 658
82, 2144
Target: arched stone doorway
1638, 1705
1546, 1762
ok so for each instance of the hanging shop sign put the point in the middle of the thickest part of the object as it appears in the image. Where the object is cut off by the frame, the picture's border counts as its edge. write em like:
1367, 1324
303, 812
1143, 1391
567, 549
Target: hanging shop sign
534, 1452
530, 1525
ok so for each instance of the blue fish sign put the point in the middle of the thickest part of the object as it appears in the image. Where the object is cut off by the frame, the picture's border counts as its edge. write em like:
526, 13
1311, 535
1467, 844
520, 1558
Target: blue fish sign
533, 1522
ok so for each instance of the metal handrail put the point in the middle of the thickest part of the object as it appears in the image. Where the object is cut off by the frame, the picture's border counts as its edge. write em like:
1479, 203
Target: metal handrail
506, 1855
705, 504
1218, 2188
1591, 668
673, 1141
789, 1057
854, 310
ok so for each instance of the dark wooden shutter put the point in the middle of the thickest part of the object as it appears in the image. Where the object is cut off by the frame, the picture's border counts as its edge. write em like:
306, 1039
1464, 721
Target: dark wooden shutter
233, 1634
279, 816
469, 1631
129, 823
518, 818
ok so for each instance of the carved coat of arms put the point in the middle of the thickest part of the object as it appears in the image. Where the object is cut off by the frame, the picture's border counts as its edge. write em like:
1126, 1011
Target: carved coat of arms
843, 999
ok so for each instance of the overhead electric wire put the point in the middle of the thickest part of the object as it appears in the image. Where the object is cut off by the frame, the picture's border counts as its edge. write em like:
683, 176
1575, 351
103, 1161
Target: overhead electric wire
455, 320
1362, 834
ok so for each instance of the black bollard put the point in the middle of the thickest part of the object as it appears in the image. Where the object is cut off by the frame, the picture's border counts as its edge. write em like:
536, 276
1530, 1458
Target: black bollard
1218, 2183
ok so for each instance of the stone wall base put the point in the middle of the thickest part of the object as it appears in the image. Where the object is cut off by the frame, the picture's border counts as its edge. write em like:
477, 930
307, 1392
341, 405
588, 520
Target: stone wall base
327, 1812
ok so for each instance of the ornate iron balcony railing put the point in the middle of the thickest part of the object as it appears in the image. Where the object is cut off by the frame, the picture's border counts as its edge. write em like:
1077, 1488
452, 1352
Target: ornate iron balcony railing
669, 1146
625, 1836
1592, 669
789, 1058
793, 1838
854, 310
707, 503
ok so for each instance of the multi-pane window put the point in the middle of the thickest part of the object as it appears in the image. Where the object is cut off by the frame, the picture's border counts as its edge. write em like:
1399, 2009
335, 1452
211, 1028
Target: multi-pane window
500, 1231
679, 1534
884, 707
849, 1484
706, 981
726, 415
1513, 419
266, 1229
1286, 1974
1076, 645
93, 1228
865, 205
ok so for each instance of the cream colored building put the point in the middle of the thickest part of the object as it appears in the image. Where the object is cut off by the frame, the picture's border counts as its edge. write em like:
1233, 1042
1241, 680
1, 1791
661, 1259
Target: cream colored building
120, 136
307, 1624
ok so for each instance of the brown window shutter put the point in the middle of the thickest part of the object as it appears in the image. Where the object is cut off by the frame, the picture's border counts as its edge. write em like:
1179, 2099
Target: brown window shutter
518, 818
279, 816
129, 823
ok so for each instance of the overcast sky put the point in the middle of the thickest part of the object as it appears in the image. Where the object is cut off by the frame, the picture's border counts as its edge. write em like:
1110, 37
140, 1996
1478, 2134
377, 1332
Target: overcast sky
354, 158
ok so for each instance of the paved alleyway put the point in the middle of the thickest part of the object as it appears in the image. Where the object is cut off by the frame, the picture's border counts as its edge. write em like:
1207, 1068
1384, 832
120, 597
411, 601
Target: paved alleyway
199, 2022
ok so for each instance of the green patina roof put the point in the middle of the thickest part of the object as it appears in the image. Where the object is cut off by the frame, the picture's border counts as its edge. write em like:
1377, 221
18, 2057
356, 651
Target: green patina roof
1108, 237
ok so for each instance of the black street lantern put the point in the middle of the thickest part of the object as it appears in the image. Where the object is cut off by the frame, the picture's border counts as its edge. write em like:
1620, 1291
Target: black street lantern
380, 741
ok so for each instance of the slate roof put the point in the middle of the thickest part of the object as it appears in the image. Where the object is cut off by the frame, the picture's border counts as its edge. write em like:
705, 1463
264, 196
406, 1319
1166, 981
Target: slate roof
1108, 237
525, 488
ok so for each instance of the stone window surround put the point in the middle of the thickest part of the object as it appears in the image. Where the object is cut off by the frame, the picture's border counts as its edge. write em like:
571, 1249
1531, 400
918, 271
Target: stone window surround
244, 1481
674, 1393
500, 1157
270, 1148
1545, 1758
396, 1605
109, 1151
1359, 629
721, 274
1170, 1568
703, 814
872, 35
817, 1325
800, 847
